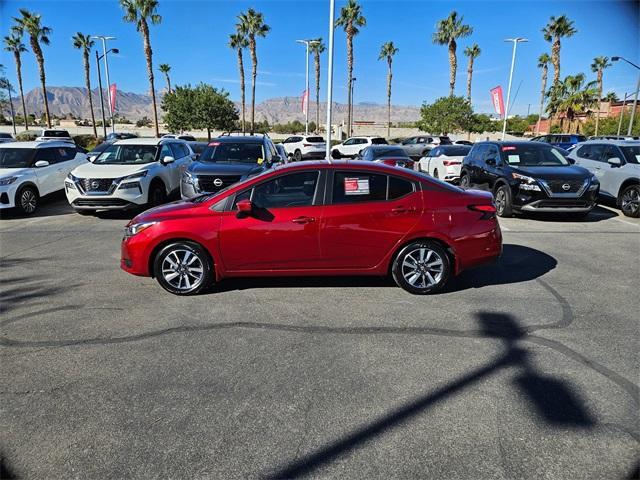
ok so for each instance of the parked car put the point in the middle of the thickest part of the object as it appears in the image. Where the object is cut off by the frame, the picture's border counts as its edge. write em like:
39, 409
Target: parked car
463, 142
444, 162
354, 145
616, 164
185, 137
282, 153
388, 154
128, 174
419, 146
31, 170
614, 137
6, 138
565, 141
54, 134
98, 149
530, 177
115, 136
226, 161
305, 147
198, 148
317, 218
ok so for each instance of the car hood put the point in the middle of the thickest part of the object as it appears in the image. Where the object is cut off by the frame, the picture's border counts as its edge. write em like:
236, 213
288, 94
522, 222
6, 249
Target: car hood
13, 172
564, 172
91, 170
168, 210
215, 168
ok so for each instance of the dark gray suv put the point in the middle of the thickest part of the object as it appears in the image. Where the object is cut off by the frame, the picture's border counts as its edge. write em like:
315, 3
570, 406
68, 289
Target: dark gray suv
227, 160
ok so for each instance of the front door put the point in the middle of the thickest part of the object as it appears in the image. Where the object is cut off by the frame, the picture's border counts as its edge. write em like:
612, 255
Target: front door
282, 231
48, 177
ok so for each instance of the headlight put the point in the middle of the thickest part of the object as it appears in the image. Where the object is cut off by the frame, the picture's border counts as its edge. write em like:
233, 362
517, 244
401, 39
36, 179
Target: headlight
141, 174
594, 183
135, 228
72, 178
7, 180
523, 178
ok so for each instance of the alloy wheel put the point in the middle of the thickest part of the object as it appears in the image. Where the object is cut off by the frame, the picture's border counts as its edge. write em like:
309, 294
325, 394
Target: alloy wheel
465, 181
28, 201
631, 201
501, 201
422, 267
183, 269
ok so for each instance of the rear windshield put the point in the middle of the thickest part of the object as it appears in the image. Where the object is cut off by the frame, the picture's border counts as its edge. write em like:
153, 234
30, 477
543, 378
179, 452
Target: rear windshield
15, 157
631, 153
56, 133
532, 155
232, 152
315, 140
445, 141
389, 152
5, 135
455, 151
378, 141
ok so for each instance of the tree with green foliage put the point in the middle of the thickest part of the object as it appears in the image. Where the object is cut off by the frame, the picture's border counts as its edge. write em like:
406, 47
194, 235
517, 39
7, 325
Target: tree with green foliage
316, 48
448, 30
165, 68
543, 64
472, 52
481, 123
387, 52
445, 115
238, 42
85, 44
13, 44
572, 97
598, 66
554, 31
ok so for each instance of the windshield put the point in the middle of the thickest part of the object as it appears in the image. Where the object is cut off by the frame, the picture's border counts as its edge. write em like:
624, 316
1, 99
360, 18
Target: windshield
389, 152
232, 152
56, 133
631, 154
378, 141
15, 157
127, 154
532, 155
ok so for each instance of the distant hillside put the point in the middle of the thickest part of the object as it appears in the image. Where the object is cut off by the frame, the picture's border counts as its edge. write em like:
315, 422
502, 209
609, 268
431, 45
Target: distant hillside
74, 100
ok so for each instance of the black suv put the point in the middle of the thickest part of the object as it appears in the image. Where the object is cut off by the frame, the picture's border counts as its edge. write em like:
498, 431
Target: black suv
227, 160
529, 177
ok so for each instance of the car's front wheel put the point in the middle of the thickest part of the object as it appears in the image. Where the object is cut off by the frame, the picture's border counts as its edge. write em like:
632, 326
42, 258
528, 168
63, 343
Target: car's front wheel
630, 201
465, 180
27, 200
436, 174
421, 267
183, 268
335, 154
157, 194
503, 202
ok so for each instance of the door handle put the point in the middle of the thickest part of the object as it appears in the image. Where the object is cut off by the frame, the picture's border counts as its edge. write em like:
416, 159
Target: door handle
303, 220
399, 210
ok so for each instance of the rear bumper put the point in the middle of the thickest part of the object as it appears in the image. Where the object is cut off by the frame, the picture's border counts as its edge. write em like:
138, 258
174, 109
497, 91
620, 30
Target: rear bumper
314, 154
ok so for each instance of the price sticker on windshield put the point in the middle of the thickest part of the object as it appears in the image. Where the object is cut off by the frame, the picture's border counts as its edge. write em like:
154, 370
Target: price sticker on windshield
356, 186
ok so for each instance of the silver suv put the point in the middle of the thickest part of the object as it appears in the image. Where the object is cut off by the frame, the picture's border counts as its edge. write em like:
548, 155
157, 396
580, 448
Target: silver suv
616, 164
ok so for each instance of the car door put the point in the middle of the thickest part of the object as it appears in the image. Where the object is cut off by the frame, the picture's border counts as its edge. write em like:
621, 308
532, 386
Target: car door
475, 163
48, 177
170, 172
432, 160
408, 145
366, 216
492, 165
282, 231
591, 157
612, 175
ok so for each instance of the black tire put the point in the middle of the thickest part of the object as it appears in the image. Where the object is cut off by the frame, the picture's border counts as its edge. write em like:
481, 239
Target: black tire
422, 267
435, 174
335, 154
157, 194
85, 212
465, 180
425, 152
504, 205
297, 156
189, 278
27, 200
630, 201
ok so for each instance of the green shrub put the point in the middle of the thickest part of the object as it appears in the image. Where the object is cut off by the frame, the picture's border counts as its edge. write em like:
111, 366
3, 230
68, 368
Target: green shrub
87, 141
27, 136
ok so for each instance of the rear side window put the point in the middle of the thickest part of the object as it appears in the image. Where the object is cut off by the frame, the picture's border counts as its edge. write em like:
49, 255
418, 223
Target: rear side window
315, 140
591, 152
399, 187
358, 187
378, 141
66, 154
46, 154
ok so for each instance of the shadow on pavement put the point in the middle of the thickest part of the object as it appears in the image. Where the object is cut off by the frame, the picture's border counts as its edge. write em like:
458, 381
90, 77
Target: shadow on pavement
598, 214
554, 401
49, 206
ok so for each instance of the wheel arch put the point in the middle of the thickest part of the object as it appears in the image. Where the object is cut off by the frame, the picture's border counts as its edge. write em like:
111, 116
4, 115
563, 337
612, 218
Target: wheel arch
625, 184
155, 180
163, 243
28, 183
430, 237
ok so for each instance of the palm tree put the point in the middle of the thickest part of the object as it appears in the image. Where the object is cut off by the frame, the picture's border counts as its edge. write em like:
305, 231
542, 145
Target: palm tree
14, 45
238, 42
85, 43
165, 68
141, 12
557, 28
543, 63
317, 47
387, 51
350, 20
472, 52
447, 32
251, 25
611, 97
598, 66
573, 97
30, 23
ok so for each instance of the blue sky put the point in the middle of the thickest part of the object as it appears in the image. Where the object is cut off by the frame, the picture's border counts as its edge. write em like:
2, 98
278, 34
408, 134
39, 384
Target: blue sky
193, 36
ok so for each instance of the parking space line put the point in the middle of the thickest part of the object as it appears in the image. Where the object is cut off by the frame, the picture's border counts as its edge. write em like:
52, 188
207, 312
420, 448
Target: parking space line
626, 223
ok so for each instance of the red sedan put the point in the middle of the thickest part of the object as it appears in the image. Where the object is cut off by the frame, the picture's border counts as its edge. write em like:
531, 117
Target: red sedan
317, 218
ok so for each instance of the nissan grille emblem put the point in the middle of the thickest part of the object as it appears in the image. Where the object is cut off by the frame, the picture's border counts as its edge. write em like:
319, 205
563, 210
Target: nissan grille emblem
95, 185
217, 182
566, 186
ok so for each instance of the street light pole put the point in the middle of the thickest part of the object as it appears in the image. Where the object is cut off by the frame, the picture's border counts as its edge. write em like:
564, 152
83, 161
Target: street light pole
106, 71
332, 8
513, 61
635, 100
306, 91
104, 121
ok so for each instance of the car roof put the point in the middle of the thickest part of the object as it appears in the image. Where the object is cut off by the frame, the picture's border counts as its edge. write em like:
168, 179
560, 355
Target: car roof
612, 142
347, 165
34, 144
384, 147
146, 141
509, 142
239, 139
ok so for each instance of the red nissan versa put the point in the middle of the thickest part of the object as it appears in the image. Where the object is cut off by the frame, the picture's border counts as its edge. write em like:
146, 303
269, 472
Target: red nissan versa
317, 218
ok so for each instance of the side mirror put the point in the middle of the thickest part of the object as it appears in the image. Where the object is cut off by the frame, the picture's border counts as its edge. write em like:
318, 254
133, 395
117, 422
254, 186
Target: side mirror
245, 206
614, 162
42, 163
91, 158
168, 159
491, 161
571, 160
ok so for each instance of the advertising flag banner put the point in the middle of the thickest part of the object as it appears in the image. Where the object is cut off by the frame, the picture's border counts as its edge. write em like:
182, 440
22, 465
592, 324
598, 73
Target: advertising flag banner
305, 101
497, 100
112, 95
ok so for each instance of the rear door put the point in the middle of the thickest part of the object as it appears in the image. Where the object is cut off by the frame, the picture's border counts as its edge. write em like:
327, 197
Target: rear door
366, 216
66, 161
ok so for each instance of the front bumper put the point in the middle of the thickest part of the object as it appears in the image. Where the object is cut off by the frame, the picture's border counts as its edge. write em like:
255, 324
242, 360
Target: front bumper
118, 199
539, 201
8, 195
134, 255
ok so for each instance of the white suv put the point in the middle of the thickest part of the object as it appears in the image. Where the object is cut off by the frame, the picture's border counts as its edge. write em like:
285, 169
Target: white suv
129, 173
54, 134
31, 170
305, 147
352, 147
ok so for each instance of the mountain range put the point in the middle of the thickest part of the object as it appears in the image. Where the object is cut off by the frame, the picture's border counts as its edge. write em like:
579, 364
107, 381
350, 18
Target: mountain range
74, 100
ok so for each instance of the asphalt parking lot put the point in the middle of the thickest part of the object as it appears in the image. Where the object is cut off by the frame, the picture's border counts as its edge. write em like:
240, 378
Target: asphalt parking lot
524, 369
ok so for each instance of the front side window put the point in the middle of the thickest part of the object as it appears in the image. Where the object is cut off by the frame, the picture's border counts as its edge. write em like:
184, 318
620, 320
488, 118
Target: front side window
65, 154
46, 154
15, 157
128, 154
631, 153
292, 190
350, 141
358, 187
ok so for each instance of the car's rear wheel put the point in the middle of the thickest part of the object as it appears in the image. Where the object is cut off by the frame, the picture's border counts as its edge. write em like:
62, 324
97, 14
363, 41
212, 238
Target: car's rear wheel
421, 267
630, 201
157, 194
297, 155
183, 268
336, 155
27, 200
465, 180
503, 201
435, 174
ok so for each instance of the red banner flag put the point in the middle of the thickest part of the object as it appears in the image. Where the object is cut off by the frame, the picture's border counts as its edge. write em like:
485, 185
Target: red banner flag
497, 100
112, 96
305, 101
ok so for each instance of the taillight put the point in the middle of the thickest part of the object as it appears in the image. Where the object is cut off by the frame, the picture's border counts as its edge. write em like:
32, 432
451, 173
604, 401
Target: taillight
488, 211
307, 145
447, 163
389, 161
214, 144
